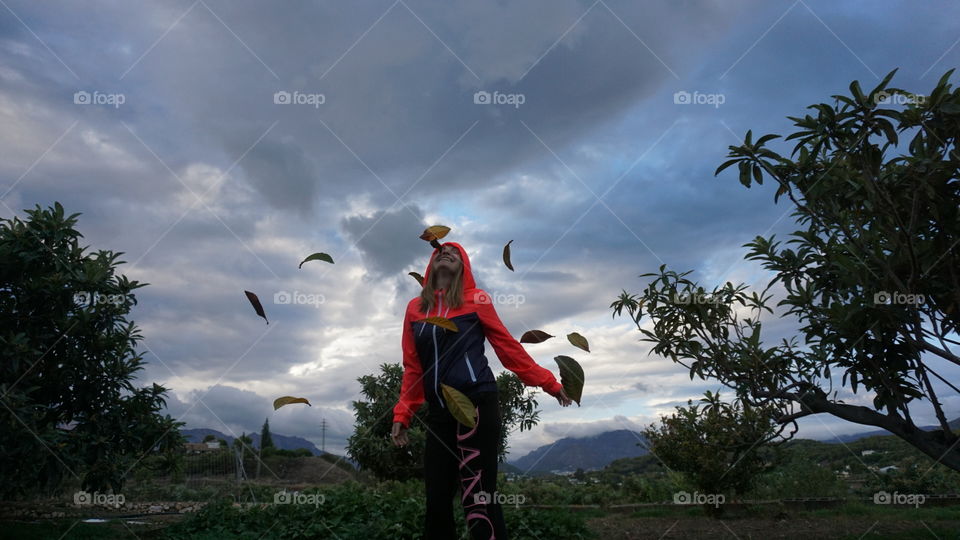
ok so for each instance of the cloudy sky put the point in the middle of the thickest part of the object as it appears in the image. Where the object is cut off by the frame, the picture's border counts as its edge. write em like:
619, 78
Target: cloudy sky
216, 143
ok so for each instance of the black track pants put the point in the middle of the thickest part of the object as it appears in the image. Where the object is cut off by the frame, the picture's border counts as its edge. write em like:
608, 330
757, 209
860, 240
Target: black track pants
459, 457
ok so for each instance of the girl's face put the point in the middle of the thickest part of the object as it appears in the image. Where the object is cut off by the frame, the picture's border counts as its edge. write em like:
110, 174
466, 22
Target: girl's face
447, 259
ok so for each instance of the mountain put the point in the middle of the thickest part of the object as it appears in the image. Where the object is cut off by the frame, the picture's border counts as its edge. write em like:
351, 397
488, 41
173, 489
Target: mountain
570, 454
280, 441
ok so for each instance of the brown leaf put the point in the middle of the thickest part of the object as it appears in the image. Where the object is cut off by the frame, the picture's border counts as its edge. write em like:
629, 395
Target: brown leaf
506, 256
417, 277
257, 306
435, 232
442, 322
534, 336
578, 341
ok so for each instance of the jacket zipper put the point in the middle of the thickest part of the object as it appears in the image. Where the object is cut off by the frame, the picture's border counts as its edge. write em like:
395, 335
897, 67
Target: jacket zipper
469, 367
436, 360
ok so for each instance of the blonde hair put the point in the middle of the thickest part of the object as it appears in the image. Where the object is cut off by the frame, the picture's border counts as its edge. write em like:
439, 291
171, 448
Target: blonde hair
452, 297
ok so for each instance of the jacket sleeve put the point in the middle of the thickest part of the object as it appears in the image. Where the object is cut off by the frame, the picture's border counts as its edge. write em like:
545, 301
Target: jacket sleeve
411, 390
512, 354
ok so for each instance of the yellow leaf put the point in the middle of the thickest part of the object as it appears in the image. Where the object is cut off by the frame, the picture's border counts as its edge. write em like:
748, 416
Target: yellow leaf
442, 322
435, 232
460, 406
287, 400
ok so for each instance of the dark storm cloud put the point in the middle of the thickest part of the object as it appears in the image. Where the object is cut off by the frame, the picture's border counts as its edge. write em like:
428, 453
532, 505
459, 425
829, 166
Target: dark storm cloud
387, 238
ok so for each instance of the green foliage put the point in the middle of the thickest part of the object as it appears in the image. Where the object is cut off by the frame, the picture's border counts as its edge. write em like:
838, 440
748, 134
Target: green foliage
68, 361
721, 447
274, 451
370, 444
351, 511
870, 277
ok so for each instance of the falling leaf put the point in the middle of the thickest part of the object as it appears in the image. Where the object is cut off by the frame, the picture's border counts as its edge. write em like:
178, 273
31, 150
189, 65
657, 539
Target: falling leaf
434, 233
460, 406
534, 336
317, 257
442, 322
578, 341
417, 277
286, 400
571, 377
506, 256
257, 306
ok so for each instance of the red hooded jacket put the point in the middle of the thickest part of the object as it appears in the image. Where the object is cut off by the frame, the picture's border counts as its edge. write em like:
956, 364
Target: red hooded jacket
433, 355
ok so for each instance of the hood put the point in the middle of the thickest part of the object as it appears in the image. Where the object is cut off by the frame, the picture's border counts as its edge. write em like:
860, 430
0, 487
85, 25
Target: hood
468, 282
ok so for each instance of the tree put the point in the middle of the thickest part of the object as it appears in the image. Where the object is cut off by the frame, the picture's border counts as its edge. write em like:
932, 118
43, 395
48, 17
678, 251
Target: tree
370, 445
720, 447
243, 442
67, 363
872, 277
266, 441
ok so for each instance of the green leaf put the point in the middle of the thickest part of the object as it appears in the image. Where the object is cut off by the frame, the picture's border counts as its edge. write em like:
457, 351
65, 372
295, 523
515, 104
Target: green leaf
571, 377
317, 257
725, 165
578, 341
460, 406
745, 173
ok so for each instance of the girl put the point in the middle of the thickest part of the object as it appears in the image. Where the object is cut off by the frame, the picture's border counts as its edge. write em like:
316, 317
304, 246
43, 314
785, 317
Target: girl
433, 356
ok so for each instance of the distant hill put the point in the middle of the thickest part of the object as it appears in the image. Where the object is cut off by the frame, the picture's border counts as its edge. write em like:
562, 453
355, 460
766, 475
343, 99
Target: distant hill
587, 453
280, 441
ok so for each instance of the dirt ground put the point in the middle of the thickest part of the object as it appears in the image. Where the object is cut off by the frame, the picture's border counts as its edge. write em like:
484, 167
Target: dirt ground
625, 527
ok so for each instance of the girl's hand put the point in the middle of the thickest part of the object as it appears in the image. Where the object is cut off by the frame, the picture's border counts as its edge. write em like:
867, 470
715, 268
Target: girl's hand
563, 399
399, 435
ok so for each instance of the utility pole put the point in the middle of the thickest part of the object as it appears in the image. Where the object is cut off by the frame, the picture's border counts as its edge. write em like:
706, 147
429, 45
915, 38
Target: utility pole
323, 435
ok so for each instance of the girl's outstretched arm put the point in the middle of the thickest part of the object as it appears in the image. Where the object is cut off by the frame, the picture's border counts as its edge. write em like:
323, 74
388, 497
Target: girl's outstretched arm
512, 354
